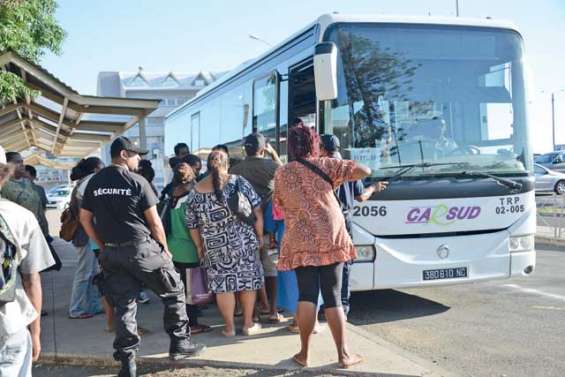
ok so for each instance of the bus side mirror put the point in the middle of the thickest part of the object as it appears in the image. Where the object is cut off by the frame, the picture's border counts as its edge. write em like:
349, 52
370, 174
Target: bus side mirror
325, 71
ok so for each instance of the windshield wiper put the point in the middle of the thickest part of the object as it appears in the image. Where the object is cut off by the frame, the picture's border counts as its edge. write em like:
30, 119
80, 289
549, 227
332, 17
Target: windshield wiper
505, 182
409, 167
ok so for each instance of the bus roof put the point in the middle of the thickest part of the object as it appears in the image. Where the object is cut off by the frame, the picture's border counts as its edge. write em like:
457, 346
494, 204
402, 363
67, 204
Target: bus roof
325, 20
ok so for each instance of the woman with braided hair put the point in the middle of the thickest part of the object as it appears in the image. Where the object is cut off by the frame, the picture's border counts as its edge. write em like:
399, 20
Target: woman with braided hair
226, 245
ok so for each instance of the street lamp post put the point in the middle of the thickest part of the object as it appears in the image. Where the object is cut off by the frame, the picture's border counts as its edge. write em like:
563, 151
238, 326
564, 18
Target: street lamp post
457, 8
260, 40
553, 119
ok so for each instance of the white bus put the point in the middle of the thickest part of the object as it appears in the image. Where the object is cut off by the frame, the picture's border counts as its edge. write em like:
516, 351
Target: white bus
437, 106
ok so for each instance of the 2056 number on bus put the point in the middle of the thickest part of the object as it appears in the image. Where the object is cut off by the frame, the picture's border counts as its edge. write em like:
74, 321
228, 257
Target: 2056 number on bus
372, 211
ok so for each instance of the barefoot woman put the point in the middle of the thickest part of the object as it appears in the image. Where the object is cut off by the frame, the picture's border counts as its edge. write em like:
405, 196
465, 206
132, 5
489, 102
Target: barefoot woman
315, 243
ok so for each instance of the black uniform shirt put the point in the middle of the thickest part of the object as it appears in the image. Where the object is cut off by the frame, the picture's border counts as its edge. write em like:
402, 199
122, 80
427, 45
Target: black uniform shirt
118, 199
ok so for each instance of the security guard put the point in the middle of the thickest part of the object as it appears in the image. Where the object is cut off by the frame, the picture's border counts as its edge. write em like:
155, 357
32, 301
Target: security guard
118, 212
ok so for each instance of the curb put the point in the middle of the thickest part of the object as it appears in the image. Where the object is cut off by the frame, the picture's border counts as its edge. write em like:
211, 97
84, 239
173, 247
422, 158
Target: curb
109, 362
434, 370
550, 241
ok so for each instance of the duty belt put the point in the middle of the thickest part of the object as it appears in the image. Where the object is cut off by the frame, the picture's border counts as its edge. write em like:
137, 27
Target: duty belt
122, 244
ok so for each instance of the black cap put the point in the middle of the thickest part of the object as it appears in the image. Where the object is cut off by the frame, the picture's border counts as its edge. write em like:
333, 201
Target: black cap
330, 143
122, 143
255, 141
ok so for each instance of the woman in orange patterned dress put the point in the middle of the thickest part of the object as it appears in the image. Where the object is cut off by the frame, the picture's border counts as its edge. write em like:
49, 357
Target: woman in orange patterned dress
316, 243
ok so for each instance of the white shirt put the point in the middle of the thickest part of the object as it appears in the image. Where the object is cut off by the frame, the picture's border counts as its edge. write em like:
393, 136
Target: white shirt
35, 257
82, 186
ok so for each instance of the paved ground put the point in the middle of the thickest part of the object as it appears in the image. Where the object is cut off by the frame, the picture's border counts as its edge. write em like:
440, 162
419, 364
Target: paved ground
501, 328
72, 371
267, 353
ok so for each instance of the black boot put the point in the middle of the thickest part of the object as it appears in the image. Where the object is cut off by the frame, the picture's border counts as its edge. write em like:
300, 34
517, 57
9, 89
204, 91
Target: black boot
185, 349
129, 369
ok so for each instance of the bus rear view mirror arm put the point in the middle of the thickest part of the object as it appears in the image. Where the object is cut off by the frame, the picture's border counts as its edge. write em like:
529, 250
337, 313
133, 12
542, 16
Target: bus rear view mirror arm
325, 71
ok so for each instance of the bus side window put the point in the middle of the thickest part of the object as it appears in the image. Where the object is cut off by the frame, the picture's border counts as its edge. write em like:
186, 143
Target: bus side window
265, 106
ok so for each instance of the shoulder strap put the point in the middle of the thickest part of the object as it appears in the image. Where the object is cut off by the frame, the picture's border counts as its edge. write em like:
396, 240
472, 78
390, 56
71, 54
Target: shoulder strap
321, 174
5, 231
316, 170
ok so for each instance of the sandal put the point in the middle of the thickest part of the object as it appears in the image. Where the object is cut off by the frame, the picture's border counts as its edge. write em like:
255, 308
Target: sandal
198, 329
253, 330
354, 360
303, 364
82, 316
293, 329
228, 334
275, 318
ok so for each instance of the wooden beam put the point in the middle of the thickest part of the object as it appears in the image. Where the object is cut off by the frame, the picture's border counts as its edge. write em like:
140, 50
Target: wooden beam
90, 137
47, 113
17, 147
8, 109
45, 92
60, 123
22, 123
132, 111
110, 127
10, 123
14, 136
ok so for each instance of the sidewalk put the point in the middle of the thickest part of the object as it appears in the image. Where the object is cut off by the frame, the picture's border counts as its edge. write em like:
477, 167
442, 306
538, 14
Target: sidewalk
550, 235
85, 342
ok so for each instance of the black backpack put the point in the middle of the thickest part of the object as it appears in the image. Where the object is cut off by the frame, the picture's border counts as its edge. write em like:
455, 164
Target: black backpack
8, 264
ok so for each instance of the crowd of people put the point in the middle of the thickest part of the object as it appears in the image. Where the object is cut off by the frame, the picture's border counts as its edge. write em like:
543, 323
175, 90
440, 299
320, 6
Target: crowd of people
257, 237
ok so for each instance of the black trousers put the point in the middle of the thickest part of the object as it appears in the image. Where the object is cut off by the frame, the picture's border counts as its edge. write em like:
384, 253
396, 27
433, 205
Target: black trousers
125, 270
191, 310
312, 279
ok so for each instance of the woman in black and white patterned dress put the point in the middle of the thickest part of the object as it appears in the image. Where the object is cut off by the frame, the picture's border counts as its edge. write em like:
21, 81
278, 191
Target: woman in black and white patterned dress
227, 245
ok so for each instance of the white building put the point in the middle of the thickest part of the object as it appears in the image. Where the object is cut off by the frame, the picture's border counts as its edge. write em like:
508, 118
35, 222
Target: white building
172, 88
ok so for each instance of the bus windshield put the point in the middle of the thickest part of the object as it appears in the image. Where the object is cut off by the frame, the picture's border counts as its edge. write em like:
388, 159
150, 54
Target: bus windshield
442, 97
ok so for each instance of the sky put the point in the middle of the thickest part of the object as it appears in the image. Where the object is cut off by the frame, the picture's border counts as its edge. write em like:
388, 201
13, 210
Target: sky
189, 36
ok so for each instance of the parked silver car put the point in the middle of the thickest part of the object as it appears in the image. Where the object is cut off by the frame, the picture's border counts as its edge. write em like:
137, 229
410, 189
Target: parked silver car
552, 160
549, 180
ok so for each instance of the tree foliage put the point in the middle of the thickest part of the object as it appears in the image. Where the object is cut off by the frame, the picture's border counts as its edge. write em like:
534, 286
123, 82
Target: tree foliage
29, 28
372, 72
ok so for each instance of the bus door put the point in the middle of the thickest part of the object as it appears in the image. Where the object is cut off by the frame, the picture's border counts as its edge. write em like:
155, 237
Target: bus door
302, 93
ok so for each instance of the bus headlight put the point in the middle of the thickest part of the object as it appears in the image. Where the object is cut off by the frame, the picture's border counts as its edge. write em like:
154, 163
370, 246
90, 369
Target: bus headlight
521, 243
365, 253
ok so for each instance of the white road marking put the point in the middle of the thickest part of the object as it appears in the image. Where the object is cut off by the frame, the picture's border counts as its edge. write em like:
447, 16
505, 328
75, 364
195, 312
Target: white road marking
547, 307
536, 292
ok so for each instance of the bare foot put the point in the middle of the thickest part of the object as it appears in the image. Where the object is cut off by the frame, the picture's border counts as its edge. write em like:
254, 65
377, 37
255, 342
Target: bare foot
350, 360
300, 359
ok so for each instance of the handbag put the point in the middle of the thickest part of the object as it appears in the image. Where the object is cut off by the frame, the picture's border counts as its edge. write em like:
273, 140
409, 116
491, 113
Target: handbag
197, 292
240, 206
69, 218
164, 209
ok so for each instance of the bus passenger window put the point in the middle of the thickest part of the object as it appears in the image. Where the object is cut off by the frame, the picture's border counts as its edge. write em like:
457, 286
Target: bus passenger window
264, 106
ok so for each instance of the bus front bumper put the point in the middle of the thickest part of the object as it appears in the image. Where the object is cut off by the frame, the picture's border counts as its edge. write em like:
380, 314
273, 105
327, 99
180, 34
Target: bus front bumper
432, 261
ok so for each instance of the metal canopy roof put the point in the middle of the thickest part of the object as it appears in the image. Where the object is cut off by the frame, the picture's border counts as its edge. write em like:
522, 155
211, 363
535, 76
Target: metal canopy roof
60, 120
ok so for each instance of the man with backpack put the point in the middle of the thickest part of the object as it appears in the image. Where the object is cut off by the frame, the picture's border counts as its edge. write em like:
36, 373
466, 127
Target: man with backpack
23, 254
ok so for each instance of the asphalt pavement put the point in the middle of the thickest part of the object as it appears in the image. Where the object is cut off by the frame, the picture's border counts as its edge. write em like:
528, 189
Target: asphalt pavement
499, 328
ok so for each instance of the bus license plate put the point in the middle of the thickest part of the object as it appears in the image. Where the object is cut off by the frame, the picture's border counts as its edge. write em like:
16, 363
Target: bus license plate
445, 273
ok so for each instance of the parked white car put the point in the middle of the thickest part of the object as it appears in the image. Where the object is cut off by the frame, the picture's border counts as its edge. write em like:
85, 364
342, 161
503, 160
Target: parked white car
552, 160
548, 180
59, 197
